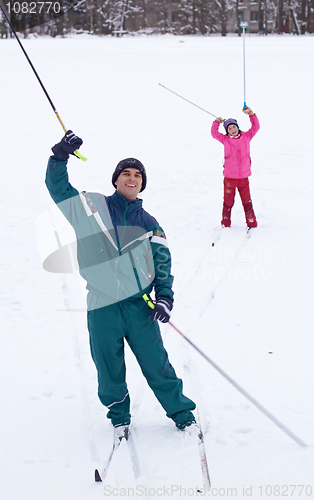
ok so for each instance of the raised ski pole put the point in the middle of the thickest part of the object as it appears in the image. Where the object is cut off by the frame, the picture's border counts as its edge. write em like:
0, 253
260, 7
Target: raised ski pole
76, 152
188, 101
232, 382
244, 26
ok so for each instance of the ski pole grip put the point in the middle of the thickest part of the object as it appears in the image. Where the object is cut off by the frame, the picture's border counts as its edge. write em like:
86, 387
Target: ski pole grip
148, 301
78, 154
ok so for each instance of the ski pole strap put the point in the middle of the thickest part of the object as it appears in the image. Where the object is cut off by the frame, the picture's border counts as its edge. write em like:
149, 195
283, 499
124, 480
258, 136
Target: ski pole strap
148, 301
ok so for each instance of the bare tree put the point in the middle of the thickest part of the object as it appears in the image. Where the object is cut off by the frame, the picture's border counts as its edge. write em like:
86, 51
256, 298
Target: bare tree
222, 15
293, 6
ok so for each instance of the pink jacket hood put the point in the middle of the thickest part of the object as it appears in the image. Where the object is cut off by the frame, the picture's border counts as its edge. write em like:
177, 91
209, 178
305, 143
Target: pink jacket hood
237, 163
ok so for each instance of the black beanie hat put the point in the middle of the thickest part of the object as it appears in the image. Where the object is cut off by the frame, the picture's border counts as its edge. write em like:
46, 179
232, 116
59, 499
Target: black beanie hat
130, 163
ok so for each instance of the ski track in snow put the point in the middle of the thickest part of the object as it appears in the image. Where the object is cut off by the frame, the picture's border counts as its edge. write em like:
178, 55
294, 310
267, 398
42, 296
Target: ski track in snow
247, 303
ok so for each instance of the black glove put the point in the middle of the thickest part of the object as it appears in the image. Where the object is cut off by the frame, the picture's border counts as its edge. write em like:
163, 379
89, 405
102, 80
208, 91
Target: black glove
162, 310
67, 146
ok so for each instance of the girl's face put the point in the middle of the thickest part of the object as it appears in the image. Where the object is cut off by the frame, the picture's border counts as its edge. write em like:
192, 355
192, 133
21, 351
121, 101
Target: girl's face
233, 130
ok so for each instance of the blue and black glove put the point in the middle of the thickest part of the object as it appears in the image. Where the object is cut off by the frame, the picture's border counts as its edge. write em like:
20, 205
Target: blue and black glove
162, 309
67, 146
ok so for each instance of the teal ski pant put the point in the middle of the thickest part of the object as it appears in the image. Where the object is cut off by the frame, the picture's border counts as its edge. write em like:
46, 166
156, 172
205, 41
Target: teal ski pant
108, 327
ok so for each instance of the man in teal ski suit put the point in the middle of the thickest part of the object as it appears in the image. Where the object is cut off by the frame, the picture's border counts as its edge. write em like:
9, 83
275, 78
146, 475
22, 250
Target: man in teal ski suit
122, 254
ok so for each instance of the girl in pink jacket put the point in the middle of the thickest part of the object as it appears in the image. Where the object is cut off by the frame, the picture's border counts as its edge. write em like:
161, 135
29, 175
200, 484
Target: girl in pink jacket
237, 165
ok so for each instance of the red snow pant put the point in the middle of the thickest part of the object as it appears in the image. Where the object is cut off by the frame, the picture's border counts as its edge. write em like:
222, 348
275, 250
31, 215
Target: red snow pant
243, 187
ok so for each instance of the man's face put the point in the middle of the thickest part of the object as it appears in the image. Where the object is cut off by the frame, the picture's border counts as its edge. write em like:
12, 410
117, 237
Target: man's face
129, 183
233, 130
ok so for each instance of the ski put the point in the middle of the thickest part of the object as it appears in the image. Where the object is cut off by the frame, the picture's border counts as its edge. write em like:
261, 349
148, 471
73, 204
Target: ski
203, 459
195, 430
121, 432
133, 455
250, 231
216, 235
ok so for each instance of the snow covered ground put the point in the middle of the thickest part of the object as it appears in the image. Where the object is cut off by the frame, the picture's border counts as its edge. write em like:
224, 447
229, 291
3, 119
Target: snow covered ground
247, 303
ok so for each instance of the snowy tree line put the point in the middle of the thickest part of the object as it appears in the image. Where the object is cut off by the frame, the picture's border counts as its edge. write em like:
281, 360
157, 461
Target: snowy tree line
203, 17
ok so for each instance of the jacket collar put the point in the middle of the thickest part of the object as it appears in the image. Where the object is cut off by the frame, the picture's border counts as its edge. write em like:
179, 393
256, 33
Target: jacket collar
122, 203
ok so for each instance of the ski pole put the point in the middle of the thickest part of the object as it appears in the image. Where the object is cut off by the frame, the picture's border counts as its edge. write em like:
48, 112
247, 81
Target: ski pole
244, 26
76, 152
187, 100
151, 304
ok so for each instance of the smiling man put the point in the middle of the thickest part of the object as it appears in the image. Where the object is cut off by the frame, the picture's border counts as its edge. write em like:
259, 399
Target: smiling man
129, 182
122, 253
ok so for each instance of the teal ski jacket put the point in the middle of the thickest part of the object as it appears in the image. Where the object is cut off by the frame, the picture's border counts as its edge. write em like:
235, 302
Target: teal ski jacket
122, 251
